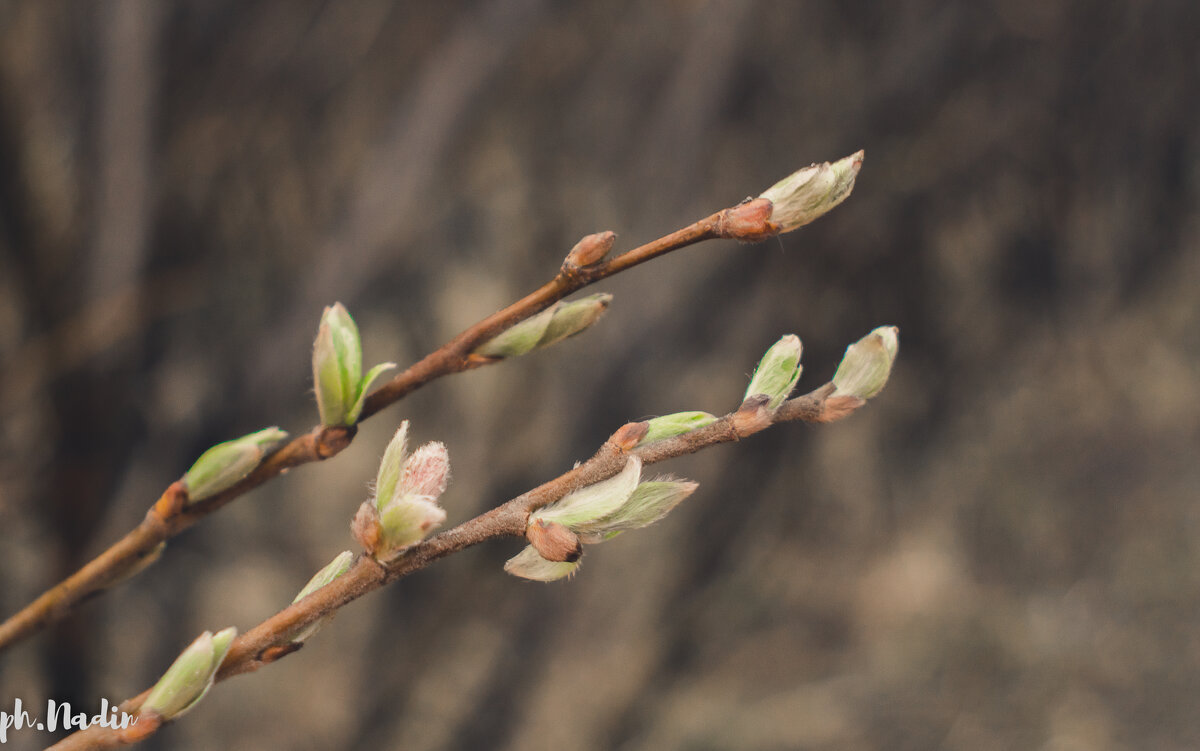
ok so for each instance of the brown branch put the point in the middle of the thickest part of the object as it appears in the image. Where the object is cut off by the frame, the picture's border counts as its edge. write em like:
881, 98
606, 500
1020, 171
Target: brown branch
270, 640
167, 520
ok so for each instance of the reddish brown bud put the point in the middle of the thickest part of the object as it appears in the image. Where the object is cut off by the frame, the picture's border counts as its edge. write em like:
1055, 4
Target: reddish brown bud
366, 528
553, 541
837, 407
629, 435
591, 249
752, 416
749, 221
172, 501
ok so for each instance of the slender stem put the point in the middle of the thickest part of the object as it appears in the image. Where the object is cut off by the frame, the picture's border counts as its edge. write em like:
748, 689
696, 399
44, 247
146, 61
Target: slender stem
323, 442
269, 641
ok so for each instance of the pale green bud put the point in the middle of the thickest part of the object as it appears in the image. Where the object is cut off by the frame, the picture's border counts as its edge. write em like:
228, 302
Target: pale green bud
777, 372
594, 501
867, 363
191, 675
224, 464
552, 325
337, 368
811, 192
651, 501
669, 426
528, 564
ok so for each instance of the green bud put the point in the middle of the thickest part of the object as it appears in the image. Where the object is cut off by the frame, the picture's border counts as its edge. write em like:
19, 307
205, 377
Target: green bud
679, 423
337, 368
593, 501
867, 363
777, 372
651, 501
191, 675
812, 192
224, 464
528, 564
552, 325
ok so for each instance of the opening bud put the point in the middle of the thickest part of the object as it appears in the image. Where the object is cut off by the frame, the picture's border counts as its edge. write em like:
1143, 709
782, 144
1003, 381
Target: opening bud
777, 372
552, 325
337, 368
224, 464
865, 368
407, 488
191, 675
812, 192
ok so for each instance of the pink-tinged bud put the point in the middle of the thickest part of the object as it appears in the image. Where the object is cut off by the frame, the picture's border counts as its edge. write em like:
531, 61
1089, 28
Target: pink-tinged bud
591, 249
553, 541
426, 472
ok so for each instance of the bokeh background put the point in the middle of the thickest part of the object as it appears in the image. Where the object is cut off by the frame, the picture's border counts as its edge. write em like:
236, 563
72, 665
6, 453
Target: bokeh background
1001, 552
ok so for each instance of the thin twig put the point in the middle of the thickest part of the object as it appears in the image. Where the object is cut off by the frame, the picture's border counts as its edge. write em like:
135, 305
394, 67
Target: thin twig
169, 516
270, 640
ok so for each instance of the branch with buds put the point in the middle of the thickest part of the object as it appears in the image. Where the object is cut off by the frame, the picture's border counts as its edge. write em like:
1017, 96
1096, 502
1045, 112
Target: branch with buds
540, 319
590, 504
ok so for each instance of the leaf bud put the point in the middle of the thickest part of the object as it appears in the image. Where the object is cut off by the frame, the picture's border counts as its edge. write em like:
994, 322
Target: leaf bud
191, 675
812, 192
777, 372
553, 541
225, 464
338, 380
865, 368
669, 426
591, 249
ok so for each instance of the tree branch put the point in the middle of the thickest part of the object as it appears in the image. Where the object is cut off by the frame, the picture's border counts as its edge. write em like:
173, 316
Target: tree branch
270, 640
172, 513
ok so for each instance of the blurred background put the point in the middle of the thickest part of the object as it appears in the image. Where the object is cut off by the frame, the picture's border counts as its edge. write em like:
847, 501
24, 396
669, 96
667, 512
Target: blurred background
1001, 552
